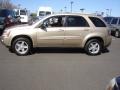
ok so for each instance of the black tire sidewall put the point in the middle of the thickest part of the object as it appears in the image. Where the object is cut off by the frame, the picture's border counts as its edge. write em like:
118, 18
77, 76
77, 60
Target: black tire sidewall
87, 45
21, 39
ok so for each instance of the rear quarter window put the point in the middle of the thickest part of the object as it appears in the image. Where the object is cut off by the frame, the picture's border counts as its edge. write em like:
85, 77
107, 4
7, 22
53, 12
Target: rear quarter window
97, 22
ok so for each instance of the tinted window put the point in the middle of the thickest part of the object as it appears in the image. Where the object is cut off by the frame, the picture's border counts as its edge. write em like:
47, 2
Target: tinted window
97, 22
17, 12
108, 19
41, 13
5, 13
119, 21
114, 21
48, 13
76, 21
23, 12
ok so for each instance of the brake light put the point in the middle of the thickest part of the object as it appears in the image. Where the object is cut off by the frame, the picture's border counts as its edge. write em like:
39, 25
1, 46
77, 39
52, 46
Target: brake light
109, 32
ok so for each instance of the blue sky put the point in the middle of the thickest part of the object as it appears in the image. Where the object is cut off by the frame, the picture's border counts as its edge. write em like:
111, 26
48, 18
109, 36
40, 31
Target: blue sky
90, 6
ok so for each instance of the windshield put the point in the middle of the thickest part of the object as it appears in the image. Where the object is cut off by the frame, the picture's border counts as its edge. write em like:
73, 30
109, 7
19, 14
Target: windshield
44, 13
23, 12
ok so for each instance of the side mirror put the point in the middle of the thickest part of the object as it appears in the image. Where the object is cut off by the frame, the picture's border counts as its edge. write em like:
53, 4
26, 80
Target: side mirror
43, 26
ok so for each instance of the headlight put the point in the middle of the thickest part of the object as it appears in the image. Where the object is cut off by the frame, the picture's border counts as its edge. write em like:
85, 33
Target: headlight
6, 33
114, 84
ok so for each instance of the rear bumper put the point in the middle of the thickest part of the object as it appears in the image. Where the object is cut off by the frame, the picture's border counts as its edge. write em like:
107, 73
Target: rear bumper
108, 41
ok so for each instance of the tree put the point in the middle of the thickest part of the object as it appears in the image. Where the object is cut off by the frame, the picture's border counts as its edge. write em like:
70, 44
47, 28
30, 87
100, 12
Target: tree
6, 4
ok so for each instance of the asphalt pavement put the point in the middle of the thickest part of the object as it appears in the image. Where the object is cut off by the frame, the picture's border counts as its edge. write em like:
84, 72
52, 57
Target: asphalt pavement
59, 69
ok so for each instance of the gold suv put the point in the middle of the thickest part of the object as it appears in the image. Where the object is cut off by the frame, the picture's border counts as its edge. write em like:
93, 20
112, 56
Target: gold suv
60, 30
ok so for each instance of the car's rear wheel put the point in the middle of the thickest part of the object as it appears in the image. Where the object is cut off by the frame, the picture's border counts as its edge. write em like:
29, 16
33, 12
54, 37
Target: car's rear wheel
21, 46
93, 47
117, 33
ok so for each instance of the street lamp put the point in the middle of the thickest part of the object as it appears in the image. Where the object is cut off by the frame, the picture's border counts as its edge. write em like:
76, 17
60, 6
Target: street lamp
107, 12
65, 9
61, 10
19, 5
71, 5
82, 10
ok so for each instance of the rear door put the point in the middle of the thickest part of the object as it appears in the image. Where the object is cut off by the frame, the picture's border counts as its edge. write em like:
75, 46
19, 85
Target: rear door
76, 28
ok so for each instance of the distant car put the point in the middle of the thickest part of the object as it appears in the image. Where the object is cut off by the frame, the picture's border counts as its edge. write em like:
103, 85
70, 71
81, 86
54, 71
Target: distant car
7, 19
85, 31
114, 84
32, 20
114, 23
108, 19
23, 14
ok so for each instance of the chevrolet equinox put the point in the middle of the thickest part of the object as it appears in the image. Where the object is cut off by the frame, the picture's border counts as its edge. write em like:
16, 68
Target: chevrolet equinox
86, 31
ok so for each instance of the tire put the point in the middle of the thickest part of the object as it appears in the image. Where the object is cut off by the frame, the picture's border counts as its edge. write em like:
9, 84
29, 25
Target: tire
117, 33
93, 47
21, 46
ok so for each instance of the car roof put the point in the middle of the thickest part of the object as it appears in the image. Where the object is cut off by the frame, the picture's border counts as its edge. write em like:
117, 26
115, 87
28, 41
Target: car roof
78, 14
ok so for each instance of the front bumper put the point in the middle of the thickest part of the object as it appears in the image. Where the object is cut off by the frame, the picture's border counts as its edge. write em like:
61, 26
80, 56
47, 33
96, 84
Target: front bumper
5, 41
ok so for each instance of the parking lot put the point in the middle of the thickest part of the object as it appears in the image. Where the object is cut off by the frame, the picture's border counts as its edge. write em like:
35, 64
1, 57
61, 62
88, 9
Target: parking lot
59, 69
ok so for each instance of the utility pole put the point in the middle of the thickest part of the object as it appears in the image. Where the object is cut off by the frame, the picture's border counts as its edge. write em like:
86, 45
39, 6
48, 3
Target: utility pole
71, 5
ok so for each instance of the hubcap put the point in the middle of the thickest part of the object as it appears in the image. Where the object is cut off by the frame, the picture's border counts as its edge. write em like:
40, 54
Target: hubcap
21, 47
94, 48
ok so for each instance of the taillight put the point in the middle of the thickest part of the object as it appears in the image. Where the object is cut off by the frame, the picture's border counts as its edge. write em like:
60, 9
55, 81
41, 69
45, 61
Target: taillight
109, 32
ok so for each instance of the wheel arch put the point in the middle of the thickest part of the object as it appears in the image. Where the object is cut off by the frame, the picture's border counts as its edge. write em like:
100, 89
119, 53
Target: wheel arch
97, 38
22, 36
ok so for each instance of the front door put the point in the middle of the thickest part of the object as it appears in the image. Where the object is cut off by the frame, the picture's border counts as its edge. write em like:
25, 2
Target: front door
53, 33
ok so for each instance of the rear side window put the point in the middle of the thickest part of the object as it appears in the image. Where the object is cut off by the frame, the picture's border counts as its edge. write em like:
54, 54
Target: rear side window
97, 22
76, 21
114, 21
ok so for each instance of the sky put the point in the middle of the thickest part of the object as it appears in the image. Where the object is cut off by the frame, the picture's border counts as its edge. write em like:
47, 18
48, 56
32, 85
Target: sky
90, 6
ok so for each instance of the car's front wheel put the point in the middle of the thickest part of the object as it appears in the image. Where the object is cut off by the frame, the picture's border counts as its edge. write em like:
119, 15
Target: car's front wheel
93, 47
21, 46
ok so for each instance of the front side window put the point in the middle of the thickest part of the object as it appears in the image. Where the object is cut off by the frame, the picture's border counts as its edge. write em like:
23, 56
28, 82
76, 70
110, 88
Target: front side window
76, 21
97, 22
114, 21
55, 21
